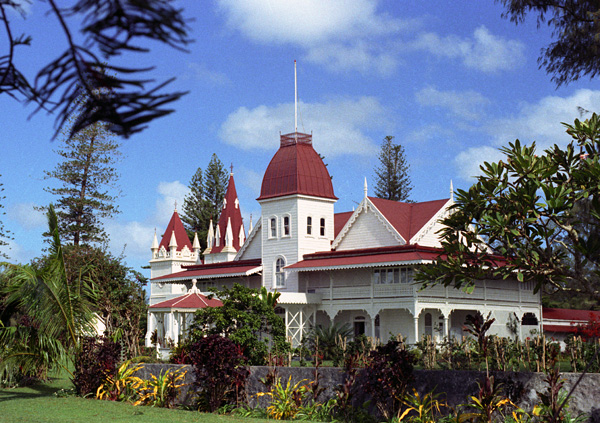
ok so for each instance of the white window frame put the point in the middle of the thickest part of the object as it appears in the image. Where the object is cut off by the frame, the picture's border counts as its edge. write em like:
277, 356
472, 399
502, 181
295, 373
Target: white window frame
309, 225
322, 227
397, 275
272, 227
279, 276
289, 226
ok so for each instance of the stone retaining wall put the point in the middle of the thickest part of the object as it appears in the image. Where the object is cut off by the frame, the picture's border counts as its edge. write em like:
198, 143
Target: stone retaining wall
455, 386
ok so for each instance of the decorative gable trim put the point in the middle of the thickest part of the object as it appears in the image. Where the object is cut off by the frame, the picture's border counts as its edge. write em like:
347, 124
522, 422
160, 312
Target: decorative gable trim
426, 229
255, 230
365, 206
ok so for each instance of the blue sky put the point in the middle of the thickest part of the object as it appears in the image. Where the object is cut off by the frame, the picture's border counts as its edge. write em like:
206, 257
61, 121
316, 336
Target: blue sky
452, 81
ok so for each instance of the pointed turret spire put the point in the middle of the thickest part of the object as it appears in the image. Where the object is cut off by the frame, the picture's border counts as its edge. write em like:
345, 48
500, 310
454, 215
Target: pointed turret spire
173, 241
175, 234
154, 247
210, 238
196, 243
229, 231
251, 227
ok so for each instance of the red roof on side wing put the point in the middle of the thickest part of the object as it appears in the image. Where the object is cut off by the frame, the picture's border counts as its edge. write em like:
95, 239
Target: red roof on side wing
207, 271
296, 168
408, 218
339, 220
180, 234
366, 257
193, 300
568, 315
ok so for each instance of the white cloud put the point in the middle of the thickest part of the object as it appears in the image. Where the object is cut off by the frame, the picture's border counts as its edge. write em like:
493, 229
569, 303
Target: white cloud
17, 253
27, 216
338, 125
467, 105
338, 34
171, 193
484, 51
201, 72
539, 122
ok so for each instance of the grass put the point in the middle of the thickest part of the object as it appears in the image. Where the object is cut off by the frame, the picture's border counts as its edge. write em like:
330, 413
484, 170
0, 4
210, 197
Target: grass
38, 404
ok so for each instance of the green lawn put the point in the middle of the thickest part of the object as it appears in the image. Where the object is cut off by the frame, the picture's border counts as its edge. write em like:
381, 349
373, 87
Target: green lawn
39, 404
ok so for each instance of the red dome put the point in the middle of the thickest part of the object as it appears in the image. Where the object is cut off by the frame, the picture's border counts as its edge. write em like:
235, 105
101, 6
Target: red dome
296, 168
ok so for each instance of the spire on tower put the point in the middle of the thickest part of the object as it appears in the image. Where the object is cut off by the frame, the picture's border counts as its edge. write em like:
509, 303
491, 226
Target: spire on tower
365, 188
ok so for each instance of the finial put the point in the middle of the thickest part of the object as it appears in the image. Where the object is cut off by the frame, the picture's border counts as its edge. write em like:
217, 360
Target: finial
451, 191
365, 188
175, 205
250, 230
231, 169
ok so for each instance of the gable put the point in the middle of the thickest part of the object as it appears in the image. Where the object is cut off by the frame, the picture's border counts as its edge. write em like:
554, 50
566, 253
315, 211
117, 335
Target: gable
252, 248
367, 228
428, 233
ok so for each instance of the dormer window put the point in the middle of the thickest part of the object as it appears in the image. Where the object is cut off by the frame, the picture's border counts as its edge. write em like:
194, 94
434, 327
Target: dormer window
322, 227
309, 225
286, 226
273, 227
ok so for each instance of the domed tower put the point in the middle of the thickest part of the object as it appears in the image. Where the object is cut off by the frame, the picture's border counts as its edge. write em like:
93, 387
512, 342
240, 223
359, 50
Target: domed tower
296, 199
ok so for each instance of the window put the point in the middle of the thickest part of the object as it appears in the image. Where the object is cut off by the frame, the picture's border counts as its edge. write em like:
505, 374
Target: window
359, 326
286, 226
279, 272
273, 228
428, 325
322, 226
392, 275
309, 225
529, 319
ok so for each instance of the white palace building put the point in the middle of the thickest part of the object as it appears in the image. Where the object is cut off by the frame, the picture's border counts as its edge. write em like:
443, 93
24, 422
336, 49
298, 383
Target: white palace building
352, 267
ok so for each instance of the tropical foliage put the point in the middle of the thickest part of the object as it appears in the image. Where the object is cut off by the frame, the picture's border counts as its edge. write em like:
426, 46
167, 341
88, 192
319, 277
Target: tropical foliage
58, 312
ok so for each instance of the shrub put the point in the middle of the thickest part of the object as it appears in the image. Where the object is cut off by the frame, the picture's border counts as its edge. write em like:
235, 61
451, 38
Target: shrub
122, 386
220, 374
162, 391
96, 359
387, 377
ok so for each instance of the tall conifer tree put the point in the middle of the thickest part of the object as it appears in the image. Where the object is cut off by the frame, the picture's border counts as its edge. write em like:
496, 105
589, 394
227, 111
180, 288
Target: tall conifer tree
88, 180
392, 181
205, 200
4, 233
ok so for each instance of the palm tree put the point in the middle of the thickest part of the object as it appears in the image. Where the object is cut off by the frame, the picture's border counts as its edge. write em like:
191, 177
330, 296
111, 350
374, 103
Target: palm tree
59, 312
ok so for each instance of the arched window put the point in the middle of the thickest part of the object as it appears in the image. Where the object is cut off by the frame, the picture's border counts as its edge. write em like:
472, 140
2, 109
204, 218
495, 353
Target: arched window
309, 225
273, 228
279, 272
529, 319
322, 226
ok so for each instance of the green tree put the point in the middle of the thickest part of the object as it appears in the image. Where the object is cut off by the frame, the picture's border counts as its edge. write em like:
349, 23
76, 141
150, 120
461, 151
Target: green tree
392, 181
215, 186
194, 216
4, 233
520, 219
119, 293
205, 200
575, 25
114, 94
246, 318
86, 174
57, 312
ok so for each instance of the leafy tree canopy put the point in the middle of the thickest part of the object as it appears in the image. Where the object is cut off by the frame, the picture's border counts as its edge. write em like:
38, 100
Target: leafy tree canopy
524, 209
392, 180
575, 26
246, 318
109, 28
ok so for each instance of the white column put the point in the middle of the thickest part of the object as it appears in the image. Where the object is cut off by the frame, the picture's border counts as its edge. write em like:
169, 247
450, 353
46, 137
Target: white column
416, 329
447, 326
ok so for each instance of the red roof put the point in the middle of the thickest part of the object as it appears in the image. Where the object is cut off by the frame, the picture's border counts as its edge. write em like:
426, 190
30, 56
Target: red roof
570, 315
193, 300
408, 218
180, 234
296, 168
560, 328
231, 212
362, 257
208, 271
339, 220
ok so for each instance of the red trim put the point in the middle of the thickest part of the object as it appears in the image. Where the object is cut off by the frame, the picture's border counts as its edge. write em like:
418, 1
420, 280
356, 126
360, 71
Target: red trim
559, 328
570, 315
225, 268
